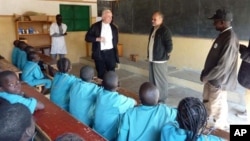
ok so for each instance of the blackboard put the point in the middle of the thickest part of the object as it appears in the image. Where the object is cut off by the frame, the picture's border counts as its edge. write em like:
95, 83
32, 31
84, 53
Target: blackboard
183, 17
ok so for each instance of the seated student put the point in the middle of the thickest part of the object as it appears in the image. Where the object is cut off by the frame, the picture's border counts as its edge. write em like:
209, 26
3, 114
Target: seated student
110, 106
20, 55
191, 122
83, 96
144, 122
16, 123
62, 81
69, 137
32, 73
10, 90
15, 52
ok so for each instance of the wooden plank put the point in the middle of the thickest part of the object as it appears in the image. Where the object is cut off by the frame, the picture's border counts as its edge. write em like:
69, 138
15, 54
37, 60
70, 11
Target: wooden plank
6, 65
47, 59
54, 121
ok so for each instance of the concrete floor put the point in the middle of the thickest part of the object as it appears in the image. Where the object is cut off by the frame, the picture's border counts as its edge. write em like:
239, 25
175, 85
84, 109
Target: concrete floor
182, 83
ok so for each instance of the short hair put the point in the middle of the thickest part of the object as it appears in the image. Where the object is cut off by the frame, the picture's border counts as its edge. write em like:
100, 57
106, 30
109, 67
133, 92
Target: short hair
31, 55
16, 42
110, 80
105, 10
58, 15
4, 75
160, 14
149, 94
63, 65
192, 116
87, 73
14, 120
69, 137
29, 49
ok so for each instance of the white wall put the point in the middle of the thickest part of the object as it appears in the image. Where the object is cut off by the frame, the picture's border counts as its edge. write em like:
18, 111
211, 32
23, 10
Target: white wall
10, 7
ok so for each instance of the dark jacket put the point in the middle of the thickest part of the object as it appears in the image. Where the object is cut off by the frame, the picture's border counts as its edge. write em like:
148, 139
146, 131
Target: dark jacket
221, 64
244, 71
162, 44
95, 32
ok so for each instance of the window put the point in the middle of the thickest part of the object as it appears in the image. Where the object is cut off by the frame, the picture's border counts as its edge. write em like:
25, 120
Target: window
76, 17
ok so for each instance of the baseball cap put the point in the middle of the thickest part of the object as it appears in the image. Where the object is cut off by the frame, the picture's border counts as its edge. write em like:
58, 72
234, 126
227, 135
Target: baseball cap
222, 14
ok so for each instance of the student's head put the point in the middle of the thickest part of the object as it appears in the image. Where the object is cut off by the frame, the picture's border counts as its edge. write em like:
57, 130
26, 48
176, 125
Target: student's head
16, 123
87, 73
110, 81
222, 19
192, 116
33, 56
149, 94
64, 65
16, 42
157, 19
22, 45
9, 82
29, 49
69, 137
107, 16
59, 19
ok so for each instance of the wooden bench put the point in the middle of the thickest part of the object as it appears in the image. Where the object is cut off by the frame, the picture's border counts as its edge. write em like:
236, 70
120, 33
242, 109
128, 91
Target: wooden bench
6, 65
53, 121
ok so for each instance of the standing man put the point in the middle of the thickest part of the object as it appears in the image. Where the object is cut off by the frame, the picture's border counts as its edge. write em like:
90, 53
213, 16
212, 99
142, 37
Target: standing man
57, 32
159, 48
220, 70
104, 38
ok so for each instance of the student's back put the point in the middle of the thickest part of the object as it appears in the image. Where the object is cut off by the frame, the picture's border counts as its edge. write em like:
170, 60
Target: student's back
83, 96
61, 84
21, 56
144, 122
15, 52
110, 106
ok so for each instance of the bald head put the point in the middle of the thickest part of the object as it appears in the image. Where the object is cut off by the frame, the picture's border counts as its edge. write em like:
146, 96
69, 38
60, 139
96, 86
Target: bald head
149, 94
110, 81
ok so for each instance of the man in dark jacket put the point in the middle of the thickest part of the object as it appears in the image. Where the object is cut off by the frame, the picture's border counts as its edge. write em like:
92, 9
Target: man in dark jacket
159, 48
220, 70
104, 38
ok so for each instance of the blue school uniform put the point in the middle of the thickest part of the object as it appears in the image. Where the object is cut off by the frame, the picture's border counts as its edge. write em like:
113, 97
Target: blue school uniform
82, 100
14, 55
144, 123
33, 75
59, 93
21, 59
172, 132
15, 98
109, 108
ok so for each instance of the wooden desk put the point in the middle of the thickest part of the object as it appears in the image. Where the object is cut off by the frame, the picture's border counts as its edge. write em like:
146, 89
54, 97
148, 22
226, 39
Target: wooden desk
53, 121
6, 65
47, 59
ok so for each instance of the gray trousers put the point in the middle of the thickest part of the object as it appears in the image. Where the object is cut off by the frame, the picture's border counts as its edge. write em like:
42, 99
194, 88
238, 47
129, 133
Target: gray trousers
158, 75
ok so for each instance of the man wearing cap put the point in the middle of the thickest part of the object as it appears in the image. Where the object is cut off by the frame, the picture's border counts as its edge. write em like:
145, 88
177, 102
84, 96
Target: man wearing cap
220, 70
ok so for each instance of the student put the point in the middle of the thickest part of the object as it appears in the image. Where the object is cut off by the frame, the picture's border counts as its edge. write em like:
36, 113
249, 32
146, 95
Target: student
110, 106
15, 52
61, 84
20, 55
32, 73
69, 137
144, 122
191, 122
10, 90
16, 123
83, 96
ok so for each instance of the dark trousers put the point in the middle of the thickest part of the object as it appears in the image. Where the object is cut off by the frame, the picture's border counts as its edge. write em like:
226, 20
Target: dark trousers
106, 63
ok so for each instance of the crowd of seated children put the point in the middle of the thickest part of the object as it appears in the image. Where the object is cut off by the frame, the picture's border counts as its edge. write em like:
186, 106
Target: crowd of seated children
110, 105
20, 55
15, 52
16, 123
10, 90
144, 122
191, 122
83, 96
61, 84
32, 73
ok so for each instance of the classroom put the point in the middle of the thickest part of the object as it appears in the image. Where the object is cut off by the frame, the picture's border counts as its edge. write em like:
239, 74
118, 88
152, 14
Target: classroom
189, 49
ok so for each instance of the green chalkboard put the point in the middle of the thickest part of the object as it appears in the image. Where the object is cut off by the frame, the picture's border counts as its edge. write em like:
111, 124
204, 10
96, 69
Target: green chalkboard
76, 17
